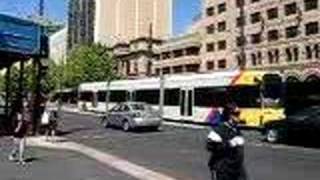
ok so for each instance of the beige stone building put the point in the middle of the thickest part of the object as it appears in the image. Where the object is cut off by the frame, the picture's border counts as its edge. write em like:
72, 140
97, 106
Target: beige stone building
125, 20
263, 34
251, 34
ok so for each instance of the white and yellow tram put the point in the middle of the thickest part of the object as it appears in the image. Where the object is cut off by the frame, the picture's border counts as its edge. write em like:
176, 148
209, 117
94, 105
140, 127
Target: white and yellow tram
190, 97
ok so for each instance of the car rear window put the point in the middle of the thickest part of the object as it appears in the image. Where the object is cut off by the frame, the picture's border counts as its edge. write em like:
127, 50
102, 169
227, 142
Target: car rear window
139, 107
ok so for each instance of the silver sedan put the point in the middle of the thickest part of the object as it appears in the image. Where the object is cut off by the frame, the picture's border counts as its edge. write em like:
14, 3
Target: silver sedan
131, 115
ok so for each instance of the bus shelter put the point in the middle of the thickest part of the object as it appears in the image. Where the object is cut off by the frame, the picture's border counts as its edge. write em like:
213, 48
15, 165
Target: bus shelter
20, 41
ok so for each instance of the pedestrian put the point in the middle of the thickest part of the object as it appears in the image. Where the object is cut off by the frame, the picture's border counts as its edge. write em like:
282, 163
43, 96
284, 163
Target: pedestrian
226, 144
49, 120
22, 119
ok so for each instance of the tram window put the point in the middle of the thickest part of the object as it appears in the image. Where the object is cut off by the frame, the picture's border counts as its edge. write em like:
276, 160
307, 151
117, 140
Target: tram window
148, 96
118, 96
210, 97
245, 96
101, 96
86, 96
171, 97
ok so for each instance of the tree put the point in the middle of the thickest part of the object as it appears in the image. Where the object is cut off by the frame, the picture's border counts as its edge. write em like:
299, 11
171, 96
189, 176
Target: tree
89, 63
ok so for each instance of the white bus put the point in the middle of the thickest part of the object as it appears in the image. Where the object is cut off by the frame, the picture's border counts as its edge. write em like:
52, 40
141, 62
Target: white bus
190, 97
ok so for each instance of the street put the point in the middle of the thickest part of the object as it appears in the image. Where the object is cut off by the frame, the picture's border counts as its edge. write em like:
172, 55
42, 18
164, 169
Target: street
180, 152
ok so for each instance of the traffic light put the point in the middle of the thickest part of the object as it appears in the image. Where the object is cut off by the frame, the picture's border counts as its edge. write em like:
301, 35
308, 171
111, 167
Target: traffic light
44, 46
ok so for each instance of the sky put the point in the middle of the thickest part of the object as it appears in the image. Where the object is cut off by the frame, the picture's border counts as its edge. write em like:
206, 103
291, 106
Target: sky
184, 11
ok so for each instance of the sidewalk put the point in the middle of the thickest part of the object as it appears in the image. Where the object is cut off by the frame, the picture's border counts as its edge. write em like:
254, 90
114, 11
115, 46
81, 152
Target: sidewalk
114, 162
54, 165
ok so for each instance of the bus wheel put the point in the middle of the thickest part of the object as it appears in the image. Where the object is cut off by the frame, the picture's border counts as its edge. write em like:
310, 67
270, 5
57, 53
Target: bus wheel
272, 135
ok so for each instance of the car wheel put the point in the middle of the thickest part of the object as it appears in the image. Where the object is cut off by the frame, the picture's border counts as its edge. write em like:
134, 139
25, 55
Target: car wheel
125, 126
272, 135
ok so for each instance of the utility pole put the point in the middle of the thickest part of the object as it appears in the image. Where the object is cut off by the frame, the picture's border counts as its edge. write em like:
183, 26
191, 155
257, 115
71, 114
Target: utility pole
38, 67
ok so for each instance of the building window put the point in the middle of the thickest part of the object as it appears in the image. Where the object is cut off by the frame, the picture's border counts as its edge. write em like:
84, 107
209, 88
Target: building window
291, 8
240, 3
241, 59
241, 41
241, 21
292, 31
255, 17
288, 54
210, 47
270, 57
222, 45
272, 13
308, 52
177, 69
222, 8
210, 29
277, 55
222, 26
254, 59
296, 53
254, 1
222, 64
256, 38
210, 11
310, 5
210, 65
273, 35
317, 50
259, 58
312, 28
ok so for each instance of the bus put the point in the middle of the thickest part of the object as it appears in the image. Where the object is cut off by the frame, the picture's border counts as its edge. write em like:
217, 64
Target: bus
190, 97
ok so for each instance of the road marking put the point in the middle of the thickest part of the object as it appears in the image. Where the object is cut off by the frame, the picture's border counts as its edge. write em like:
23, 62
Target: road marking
122, 165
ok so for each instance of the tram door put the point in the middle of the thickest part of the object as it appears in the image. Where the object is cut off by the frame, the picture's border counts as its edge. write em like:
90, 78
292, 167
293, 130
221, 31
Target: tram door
186, 102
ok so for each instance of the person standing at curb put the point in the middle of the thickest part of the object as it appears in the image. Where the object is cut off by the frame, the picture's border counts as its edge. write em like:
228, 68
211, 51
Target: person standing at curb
22, 118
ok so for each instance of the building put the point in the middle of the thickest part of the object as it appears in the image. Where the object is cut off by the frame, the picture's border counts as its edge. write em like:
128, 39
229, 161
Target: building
247, 34
263, 34
125, 20
136, 58
58, 46
114, 21
81, 20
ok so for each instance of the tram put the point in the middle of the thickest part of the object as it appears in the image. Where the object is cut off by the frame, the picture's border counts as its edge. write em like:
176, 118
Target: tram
190, 97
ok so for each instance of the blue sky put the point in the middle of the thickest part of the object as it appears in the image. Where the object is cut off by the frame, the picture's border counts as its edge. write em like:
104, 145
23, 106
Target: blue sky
184, 10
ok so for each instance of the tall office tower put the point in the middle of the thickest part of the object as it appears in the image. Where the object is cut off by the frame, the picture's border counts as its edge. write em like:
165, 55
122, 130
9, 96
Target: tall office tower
113, 21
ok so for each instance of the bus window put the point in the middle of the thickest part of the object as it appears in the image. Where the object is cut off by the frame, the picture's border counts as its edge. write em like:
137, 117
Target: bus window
118, 96
273, 90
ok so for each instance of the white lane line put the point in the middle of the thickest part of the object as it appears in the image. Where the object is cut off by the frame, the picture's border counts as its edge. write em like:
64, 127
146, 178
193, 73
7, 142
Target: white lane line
122, 165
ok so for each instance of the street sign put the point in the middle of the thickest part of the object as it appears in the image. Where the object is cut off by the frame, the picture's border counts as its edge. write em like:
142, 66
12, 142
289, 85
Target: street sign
19, 36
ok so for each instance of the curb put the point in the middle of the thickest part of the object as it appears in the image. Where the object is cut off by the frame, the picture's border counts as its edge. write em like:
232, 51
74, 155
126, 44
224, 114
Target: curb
115, 162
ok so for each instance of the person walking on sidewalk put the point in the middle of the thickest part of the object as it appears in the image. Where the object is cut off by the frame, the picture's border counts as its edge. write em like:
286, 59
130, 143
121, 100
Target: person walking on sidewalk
225, 142
22, 118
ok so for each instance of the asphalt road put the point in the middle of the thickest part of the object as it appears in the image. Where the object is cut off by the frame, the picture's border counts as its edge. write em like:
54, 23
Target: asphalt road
180, 152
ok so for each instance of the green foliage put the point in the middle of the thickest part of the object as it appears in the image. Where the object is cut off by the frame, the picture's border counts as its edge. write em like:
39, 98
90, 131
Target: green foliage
89, 63
86, 63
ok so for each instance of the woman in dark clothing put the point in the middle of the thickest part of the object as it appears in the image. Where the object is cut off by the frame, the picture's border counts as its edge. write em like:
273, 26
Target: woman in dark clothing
225, 142
22, 118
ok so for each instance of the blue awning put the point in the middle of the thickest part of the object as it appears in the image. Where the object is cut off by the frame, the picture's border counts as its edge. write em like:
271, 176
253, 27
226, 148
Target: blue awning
18, 36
